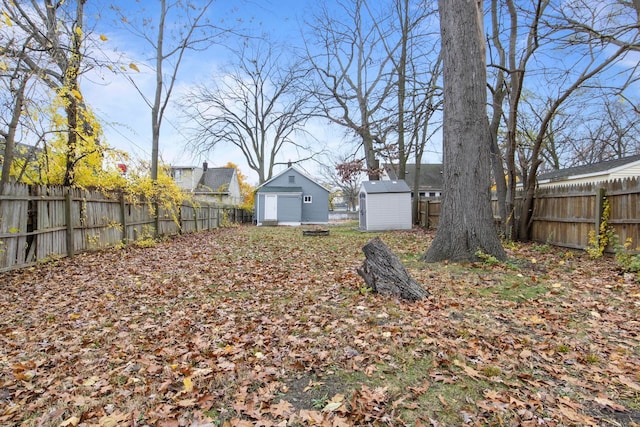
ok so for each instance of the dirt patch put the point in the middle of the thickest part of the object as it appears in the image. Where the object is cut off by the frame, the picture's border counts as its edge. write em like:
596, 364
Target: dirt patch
313, 393
630, 418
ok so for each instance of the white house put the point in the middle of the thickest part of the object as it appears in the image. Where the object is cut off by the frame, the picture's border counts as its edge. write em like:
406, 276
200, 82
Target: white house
215, 185
626, 167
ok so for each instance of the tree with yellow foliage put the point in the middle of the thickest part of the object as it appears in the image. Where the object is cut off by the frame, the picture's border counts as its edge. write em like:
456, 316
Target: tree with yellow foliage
86, 163
53, 50
247, 190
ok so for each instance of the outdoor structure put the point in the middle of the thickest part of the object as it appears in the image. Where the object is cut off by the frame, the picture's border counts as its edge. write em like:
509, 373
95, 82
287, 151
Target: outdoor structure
430, 178
385, 205
291, 198
626, 167
214, 185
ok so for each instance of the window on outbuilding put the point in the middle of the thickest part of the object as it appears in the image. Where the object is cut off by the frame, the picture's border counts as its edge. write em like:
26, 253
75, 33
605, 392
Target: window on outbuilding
307, 199
292, 179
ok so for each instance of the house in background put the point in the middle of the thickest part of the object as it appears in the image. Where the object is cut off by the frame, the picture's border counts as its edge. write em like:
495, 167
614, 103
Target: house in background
187, 177
625, 167
291, 198
385, 205
214, 185
430, 178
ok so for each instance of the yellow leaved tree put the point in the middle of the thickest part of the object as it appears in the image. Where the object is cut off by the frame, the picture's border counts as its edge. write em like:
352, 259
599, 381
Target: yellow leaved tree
247, 190
94, 163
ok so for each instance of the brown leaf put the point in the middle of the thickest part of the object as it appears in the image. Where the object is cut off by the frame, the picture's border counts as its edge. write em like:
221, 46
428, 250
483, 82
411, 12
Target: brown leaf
610, 404
629, 383
281, 409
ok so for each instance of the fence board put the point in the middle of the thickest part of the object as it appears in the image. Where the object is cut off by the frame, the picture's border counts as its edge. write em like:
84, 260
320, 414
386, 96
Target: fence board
564, 216
34, 226
13, 223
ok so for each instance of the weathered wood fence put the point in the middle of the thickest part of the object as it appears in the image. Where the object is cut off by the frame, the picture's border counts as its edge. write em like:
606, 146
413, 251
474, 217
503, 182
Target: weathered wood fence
564, 216
44, 222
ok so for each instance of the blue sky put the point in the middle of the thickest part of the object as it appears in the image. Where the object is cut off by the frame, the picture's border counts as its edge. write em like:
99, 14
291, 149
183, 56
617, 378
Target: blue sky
125, 116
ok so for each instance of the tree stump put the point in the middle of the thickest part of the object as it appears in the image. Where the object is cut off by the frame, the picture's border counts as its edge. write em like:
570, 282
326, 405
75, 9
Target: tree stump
384, 273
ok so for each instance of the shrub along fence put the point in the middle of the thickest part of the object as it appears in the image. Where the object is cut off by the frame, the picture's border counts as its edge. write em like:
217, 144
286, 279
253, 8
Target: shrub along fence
566, 215
43, 222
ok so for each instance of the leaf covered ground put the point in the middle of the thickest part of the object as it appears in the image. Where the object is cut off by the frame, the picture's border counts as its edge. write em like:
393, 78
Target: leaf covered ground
264, 326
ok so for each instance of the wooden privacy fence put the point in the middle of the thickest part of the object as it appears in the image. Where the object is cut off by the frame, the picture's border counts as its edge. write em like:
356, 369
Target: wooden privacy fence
565, 215
43, 222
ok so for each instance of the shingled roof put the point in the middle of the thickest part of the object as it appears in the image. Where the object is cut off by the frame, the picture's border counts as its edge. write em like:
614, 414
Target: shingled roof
592, 169
216, 180
430, 175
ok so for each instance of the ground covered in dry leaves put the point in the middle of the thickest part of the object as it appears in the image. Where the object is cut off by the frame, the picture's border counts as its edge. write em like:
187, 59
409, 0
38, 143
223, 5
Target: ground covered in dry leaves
264, 326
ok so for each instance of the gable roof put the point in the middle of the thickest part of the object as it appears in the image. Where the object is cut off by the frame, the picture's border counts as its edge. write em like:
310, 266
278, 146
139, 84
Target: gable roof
430, 174
217, 180
588, 170
290, 168
395, 186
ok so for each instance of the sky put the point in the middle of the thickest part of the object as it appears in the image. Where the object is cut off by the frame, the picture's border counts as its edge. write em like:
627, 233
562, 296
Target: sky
126, 117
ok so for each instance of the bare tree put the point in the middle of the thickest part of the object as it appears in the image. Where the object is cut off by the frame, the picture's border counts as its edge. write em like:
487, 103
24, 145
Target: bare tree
515, 37
355, 76
608, 129
586, 53
254, 105
424, 109
181, 26
412, 53
16, 80
466, 223
346, 174
552, 54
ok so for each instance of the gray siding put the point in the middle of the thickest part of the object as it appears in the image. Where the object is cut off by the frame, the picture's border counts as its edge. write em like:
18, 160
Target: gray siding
292, 187
289, 208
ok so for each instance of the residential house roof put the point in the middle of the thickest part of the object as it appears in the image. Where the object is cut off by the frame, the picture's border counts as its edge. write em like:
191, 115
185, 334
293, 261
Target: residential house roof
589, 170
430, 175
216, 180
262, 187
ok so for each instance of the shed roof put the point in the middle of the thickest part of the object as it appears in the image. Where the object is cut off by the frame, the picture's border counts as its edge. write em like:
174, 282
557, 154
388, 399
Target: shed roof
396, 186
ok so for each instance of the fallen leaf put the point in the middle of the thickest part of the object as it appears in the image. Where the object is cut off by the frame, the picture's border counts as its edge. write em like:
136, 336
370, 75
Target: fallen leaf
185, 403
281, 409
331, 406
629, 383
607, 403
73, 421
188, 385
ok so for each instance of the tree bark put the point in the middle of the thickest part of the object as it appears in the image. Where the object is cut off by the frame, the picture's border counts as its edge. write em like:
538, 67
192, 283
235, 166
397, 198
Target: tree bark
383, 272
466, 223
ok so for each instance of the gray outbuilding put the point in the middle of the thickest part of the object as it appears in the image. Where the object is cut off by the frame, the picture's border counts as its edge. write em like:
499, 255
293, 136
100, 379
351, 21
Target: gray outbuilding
291, 198
385, 205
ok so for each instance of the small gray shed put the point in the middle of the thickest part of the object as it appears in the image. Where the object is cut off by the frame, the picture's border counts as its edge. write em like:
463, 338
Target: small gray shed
385, 205
291, 198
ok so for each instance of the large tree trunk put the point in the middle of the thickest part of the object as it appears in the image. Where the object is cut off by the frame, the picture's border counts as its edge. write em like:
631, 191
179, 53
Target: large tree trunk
384, 273
466, 223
